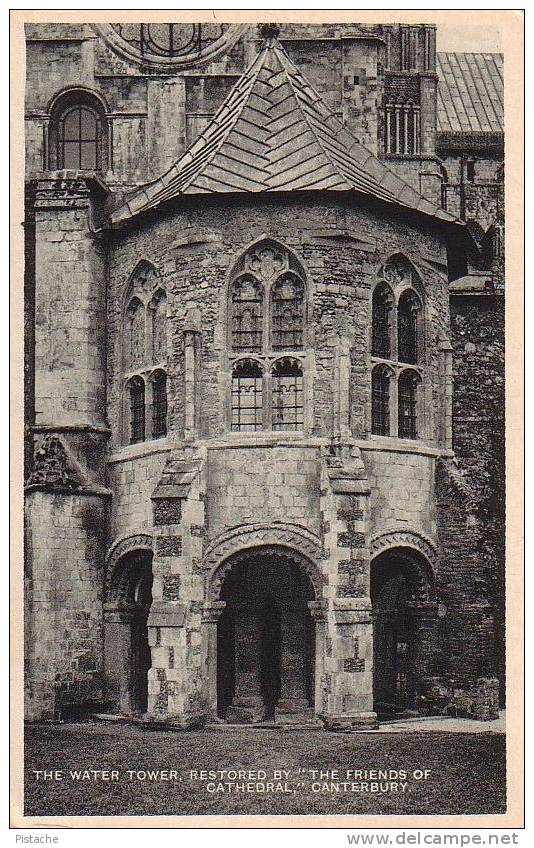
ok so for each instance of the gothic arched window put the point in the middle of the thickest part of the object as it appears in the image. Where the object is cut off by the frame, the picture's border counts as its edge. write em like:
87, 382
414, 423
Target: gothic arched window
266, 317
408, 317
382, 306
407, 404
144, 356
287, 313
136, 388
380, 400
135, 335
287, 395
78, 133
398, 338
247, 396
247, 315
159, 405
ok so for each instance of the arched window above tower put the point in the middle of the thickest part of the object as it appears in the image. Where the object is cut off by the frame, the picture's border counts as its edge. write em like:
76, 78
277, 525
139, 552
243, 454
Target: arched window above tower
78, 133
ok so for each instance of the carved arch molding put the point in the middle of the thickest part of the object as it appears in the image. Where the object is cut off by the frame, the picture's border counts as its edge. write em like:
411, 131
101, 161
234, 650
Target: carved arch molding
284, 540
130, 544
405, 539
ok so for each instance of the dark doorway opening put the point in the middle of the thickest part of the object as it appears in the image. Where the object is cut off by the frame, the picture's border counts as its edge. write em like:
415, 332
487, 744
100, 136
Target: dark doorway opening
127, 657
399, 586
265, 640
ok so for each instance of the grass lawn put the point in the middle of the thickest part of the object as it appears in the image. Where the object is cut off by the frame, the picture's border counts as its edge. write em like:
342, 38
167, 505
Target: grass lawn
467, 771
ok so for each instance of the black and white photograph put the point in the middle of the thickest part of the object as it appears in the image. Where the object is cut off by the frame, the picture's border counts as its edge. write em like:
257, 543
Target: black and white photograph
265, 529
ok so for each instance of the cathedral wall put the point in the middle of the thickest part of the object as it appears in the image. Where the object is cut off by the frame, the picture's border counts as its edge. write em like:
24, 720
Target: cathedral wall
133, 479
402, 490
65, 548
253, 485
194, 253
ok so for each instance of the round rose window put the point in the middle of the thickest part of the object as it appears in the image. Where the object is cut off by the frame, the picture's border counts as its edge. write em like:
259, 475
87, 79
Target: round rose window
171, 45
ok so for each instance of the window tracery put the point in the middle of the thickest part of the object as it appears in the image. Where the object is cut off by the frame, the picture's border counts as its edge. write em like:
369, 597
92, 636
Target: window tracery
397, 340
144, 346
267, 307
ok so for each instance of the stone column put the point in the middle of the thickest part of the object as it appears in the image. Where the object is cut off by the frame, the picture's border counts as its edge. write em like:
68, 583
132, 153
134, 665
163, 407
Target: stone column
247, 705
210, 617
293, 704
318, 610
118, 656
192, 340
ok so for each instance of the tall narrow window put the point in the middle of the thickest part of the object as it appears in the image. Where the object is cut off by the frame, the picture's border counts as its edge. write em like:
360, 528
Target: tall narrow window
380, 401
287, 395
408, 381
247, 396
382, 304
135, 334
288, 313
137, 410
407, 316
247, 315
159, 327
267, 318
159, 405
79, 140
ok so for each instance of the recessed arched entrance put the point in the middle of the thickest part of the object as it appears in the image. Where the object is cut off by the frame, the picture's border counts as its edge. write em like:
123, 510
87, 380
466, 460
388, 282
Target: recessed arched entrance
127, 657
401, 588
266, 639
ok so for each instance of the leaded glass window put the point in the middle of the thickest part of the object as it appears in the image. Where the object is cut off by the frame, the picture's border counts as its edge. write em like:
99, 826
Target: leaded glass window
266, 318
288, 313
137, 410
382, 304
135, 334
407, 317
79, 138
380, 401
407, 405
247, 315
287, 395
159, 405
247, 396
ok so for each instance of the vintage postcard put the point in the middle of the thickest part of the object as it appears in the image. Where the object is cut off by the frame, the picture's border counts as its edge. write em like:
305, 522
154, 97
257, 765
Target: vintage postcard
267, 358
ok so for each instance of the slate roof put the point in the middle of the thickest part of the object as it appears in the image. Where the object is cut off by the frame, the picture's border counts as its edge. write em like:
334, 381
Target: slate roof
274, 133
470, 92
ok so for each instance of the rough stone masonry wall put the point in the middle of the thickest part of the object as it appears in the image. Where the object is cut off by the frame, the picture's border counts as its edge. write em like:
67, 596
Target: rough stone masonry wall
65, 546
479, 439
263, 485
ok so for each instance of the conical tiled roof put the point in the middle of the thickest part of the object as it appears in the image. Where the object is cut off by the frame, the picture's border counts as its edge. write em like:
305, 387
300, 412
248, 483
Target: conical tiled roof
274, 133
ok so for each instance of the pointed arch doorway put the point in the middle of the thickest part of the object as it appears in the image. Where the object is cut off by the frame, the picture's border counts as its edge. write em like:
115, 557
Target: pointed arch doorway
266, 640
403, 615
127, 657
